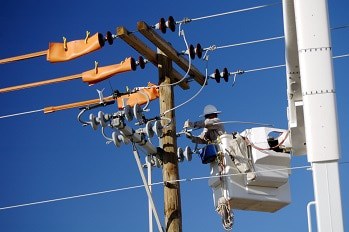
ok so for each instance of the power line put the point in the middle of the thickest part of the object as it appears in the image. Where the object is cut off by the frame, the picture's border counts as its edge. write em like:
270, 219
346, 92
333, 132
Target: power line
190, 99
214, 47
18, 114
250, 42
153, 184
341, 56
281, 65
234, 11
140, 186
264, 68
72, 197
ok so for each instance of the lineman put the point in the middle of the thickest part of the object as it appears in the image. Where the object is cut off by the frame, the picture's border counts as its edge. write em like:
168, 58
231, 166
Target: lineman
211, 124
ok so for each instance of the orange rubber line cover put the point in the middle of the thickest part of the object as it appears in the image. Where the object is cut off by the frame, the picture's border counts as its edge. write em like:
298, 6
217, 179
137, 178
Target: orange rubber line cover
139, 97
77, 48
133, 98
94, 76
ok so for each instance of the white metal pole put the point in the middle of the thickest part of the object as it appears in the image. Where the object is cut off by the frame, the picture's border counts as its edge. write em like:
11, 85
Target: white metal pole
327, 197
150, 198
320, 113
146, 186
150, 213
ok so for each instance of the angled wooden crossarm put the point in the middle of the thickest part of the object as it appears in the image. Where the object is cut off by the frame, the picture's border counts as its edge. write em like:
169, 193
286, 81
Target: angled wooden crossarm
167, 49
148, 53
137, 44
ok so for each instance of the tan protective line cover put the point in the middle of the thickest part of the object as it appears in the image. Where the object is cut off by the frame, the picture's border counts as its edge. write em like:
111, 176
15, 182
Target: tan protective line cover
133, 98
139, 98
91, 77
76, 48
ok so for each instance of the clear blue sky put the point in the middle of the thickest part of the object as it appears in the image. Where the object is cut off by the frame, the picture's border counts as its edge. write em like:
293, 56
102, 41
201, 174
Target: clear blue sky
51, 156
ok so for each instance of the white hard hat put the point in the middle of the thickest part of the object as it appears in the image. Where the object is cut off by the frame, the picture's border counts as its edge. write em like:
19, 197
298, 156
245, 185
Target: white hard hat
210, 109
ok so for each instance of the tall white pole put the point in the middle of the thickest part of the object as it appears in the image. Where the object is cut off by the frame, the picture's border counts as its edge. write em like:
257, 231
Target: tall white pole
146, 186
320, 113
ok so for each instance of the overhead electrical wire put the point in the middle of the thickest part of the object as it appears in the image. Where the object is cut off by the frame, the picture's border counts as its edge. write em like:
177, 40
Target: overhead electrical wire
214, 47
72, 197
142, 186
340, 56
245, 43
232, 12
23, 113
308, 167
190, 99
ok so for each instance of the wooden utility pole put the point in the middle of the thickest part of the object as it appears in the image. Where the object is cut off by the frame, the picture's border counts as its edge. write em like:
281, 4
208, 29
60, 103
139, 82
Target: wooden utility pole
167, 74
172, 199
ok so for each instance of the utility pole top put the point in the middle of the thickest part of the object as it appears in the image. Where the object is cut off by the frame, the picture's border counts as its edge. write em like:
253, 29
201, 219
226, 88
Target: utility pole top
148, 53
169, 51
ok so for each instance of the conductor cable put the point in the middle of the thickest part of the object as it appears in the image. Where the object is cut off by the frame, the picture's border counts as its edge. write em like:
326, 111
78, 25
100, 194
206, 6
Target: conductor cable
190, 99
22, 113
214, 47
231, 12
153, 184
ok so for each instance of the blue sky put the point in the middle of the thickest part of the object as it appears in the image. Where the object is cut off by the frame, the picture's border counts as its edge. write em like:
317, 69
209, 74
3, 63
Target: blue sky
51, 156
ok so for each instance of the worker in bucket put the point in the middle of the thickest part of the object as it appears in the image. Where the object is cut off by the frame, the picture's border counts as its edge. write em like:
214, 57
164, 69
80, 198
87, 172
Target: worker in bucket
212, 125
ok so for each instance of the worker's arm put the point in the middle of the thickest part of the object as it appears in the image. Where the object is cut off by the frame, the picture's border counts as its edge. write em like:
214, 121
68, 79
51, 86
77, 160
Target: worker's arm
196, 139
198, 124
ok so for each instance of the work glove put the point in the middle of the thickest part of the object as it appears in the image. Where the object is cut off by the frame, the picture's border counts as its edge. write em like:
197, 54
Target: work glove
188, 135
188, 124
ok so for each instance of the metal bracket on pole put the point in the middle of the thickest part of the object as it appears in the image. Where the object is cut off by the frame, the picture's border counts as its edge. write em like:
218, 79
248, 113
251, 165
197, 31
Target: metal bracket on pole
136, 155
309, 215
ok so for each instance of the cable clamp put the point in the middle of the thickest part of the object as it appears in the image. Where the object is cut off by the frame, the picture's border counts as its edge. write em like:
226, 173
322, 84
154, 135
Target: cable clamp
100, 95
65, 44
212, 48
87, 36
184, 21
96, 67
240, 71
